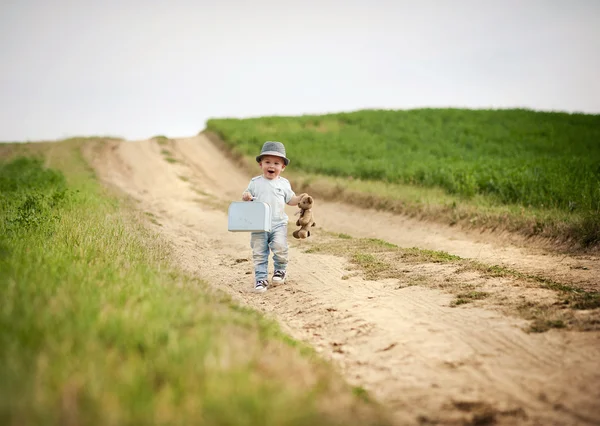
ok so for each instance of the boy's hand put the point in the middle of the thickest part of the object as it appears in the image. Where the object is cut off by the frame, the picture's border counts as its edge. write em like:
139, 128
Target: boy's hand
296, 199
246, 196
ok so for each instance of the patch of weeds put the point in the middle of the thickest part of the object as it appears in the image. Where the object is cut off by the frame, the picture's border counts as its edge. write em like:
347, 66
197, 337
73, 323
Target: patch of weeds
542, 325
576, 298
364, 259
584, 300
497, 271
171, 160
546, 317
372, 267
361, 393
380, 243
553, 285
419, 280
184, 178
36, 209
467, 287
344, 236
161, 140
492, 270
468, 297
165, 152
314, 249
431, 255
31, 197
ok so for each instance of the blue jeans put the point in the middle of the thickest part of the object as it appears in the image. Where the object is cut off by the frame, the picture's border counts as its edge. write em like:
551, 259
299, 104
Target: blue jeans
276, 242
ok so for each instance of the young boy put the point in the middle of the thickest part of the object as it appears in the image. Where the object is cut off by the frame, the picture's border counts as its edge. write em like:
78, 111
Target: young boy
276, 191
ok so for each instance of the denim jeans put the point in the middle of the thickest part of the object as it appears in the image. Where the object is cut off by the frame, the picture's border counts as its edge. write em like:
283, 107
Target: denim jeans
276, 242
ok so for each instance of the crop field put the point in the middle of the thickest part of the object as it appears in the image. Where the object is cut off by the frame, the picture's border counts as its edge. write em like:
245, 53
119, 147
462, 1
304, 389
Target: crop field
543, 160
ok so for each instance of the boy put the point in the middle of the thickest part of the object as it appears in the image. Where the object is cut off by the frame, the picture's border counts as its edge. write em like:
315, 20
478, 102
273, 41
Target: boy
276, 191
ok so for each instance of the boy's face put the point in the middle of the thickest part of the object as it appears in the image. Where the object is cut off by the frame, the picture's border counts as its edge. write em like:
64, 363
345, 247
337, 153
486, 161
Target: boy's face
271, 166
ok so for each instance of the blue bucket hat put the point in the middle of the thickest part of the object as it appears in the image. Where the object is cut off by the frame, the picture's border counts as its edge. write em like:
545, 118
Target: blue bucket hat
273, 148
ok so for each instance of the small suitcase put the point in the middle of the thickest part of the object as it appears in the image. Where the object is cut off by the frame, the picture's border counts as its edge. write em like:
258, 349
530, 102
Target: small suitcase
249, 216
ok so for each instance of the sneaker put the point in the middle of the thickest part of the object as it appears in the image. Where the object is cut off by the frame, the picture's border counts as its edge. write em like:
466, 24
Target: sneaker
260, 286
279, 276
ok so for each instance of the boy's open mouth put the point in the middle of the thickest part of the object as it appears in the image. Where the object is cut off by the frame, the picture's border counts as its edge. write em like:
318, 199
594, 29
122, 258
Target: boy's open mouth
270, 172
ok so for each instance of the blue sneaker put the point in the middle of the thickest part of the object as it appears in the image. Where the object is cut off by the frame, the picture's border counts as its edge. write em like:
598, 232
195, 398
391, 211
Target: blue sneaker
260, 286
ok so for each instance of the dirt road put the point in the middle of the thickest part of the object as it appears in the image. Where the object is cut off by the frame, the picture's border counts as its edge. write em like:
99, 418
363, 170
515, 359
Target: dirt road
428, 362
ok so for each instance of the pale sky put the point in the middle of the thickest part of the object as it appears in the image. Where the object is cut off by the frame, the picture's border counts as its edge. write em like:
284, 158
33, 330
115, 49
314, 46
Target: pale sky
138, 68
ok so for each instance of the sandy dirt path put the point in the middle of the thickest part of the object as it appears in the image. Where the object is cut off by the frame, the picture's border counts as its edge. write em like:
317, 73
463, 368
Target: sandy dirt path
427, 362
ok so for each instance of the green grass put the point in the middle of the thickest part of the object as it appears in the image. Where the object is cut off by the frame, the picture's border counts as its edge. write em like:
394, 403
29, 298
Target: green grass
544, 161
435, 256
96, 328
161, 139
361, 393
168, 155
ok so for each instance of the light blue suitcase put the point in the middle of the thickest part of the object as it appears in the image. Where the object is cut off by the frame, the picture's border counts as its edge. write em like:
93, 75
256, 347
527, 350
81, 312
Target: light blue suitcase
249, 216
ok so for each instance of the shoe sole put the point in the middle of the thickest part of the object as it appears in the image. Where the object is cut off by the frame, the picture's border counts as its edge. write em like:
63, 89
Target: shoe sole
277, 280
260, 290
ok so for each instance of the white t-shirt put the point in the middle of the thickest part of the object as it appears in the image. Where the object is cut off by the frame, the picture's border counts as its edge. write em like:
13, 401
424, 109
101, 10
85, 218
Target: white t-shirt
275, 192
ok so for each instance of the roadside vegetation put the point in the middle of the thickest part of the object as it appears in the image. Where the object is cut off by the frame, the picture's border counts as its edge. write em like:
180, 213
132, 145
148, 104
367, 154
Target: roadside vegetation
537, 173
545, 304
96, 328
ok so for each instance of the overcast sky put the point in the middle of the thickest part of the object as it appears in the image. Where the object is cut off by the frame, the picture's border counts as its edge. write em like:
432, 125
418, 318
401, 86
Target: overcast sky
137, 68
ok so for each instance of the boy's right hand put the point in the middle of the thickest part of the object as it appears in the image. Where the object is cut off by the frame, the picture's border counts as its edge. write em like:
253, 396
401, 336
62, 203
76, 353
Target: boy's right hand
246, 196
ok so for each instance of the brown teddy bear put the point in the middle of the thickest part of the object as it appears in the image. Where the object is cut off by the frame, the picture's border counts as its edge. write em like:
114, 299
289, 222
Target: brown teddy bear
306, 219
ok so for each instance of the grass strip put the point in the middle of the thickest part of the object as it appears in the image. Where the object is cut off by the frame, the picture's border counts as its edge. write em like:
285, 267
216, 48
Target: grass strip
96, 328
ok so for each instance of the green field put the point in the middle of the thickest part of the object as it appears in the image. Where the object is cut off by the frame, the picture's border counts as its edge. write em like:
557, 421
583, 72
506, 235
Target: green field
540, 160
96, 328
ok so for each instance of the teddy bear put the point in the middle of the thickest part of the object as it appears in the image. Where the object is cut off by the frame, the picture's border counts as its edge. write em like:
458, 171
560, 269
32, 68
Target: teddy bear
306, 219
